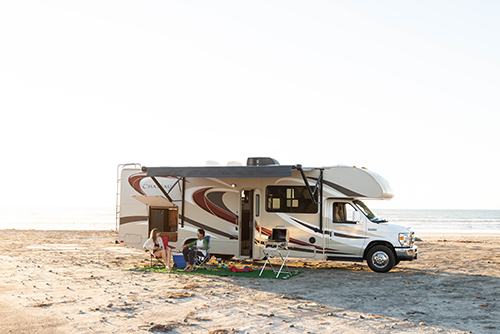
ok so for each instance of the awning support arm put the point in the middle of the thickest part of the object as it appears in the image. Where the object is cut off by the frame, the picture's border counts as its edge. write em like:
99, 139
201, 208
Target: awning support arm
313, 192
321, 203
183, 200
173, 186
161, 188
320, 181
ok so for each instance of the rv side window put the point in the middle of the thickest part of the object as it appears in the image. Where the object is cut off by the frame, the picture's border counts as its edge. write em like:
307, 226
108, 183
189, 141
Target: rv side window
257, 205
343, 213
289, 199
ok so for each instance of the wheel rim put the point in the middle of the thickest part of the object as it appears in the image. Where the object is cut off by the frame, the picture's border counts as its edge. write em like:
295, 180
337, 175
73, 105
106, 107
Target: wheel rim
380, 259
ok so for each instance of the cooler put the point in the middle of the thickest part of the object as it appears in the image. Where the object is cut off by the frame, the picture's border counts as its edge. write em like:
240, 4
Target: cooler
179, 260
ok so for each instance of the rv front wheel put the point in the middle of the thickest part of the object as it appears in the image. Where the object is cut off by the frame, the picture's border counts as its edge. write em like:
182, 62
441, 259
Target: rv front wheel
380, 259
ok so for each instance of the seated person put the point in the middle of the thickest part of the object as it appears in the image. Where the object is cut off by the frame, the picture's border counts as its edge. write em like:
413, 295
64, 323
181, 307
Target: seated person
199, 246
158, 249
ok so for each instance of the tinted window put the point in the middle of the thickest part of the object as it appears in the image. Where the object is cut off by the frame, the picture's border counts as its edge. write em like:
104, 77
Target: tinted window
289, 199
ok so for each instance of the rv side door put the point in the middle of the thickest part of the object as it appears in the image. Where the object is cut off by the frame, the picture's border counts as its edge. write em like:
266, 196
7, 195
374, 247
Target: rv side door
258, 241
246, 224
346, 228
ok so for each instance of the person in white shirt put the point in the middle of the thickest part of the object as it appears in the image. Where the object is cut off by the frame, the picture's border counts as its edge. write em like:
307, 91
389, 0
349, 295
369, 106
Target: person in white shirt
200, 245
159, 249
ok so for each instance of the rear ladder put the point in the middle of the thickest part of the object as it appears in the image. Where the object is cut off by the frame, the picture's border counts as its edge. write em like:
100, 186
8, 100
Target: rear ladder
118, 188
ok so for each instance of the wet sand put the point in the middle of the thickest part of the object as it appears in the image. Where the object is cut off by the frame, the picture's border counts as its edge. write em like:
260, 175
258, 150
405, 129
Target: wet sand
80, 282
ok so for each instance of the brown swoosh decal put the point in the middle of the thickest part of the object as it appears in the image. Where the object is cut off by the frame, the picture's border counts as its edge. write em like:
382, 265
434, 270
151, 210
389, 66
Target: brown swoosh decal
212, 208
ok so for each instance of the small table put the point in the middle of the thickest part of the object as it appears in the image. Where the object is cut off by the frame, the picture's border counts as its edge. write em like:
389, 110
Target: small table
272, 249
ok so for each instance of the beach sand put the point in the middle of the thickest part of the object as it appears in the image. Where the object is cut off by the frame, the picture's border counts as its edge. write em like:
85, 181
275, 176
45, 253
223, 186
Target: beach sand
80, 282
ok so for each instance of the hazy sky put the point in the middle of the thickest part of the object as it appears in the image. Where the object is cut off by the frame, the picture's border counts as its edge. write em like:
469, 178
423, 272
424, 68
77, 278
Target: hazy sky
408, 89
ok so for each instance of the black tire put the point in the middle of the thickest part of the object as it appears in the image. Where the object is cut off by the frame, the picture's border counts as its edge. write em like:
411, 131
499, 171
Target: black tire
380, 259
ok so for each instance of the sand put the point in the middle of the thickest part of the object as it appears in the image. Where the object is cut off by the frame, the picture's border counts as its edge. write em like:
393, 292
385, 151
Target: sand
80, 282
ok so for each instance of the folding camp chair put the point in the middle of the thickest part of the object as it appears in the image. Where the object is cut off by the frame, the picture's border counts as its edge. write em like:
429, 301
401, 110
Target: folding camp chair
162, 241
200, 260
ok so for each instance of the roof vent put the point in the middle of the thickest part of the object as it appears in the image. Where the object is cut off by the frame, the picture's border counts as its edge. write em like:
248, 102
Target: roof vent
260, 161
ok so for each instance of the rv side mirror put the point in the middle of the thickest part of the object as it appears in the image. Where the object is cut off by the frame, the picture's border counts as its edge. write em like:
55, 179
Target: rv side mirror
356, 216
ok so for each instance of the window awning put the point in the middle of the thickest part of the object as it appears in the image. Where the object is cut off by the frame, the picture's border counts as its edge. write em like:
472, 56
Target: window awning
220, 171
155, 201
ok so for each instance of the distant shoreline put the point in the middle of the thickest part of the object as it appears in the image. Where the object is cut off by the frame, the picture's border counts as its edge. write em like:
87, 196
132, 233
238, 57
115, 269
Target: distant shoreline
451, 234
437, 221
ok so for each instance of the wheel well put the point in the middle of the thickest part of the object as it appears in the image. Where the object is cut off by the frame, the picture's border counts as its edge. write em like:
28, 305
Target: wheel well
377, 243
189, 240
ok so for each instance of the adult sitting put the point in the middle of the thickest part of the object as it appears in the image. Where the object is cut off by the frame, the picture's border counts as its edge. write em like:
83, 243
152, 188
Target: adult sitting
199, 246
158, 249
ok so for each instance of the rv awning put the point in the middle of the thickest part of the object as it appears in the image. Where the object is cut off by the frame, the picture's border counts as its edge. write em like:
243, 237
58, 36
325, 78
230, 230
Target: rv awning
155, 201
220, 171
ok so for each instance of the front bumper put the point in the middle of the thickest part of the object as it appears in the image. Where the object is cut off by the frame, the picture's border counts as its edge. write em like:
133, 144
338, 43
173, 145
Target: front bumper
407, 254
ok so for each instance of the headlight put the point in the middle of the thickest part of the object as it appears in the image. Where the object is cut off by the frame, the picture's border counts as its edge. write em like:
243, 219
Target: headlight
404, 239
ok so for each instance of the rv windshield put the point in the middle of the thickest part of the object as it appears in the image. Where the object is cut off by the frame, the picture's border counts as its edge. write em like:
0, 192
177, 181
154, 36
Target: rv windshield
368, 213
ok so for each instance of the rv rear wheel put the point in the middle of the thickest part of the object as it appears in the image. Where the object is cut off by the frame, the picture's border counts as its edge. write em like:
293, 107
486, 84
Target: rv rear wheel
380, 259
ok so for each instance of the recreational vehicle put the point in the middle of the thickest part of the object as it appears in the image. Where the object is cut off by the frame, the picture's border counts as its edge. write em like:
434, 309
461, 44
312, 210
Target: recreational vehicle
321, 208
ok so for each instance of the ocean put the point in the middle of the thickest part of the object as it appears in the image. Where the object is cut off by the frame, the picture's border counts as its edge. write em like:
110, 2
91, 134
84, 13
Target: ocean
53, 218
103, 218
445, 221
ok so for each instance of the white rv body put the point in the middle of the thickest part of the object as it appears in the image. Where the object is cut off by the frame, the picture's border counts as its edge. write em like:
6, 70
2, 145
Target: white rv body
238, 206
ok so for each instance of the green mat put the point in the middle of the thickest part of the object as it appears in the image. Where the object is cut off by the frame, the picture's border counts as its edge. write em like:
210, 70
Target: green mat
220, 272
